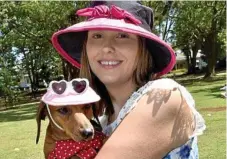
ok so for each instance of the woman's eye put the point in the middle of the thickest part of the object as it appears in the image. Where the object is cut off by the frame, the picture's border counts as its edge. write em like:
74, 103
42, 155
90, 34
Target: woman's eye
122, 35
63, 110
97, 36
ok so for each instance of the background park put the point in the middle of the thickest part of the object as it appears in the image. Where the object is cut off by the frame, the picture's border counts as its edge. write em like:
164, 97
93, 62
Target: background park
28, 62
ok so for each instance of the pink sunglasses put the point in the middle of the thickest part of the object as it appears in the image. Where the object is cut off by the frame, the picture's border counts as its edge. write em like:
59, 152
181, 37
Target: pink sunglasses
77, 86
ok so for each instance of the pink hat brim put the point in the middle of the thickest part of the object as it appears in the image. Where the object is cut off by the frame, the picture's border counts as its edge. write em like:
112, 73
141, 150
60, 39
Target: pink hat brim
89, 96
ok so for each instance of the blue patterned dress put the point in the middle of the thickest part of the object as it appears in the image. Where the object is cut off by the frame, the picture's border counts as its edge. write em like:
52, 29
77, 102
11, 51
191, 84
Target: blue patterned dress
187, 151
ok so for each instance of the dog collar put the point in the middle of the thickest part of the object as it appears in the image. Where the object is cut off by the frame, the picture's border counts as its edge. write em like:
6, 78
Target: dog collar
83, 149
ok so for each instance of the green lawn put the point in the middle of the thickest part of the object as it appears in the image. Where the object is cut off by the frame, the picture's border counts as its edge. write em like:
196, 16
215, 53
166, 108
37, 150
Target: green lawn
18, 126
212, 144
18, 134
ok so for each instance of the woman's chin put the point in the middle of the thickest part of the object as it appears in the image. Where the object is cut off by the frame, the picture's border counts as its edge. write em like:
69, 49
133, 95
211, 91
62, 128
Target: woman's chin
109, 80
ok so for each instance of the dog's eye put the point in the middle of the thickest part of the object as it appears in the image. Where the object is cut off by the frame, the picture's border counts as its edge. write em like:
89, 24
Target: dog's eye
63, 110
86, 107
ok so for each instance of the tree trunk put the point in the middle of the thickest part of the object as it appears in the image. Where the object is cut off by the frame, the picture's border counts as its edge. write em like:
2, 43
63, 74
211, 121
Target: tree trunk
168, 21
74, 72
69, 71
187, 53
64, 68
212, 45
195, 50
28, 70
193, 63
211, 56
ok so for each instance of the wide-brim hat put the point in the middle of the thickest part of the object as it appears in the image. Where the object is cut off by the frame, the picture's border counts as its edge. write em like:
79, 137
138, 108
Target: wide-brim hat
75, 92
127, 16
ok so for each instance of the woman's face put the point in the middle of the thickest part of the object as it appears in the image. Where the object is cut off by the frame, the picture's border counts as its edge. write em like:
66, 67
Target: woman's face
112, 55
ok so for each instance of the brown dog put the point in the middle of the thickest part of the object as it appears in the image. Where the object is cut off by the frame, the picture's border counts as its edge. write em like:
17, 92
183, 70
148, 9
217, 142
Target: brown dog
68, 106
75, 121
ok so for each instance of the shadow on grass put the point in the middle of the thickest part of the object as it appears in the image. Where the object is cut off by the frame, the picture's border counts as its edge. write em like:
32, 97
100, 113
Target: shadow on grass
20, 113
212, 92
199, 81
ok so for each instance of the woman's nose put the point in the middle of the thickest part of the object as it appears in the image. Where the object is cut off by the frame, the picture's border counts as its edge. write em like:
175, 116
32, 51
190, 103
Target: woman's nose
108, 46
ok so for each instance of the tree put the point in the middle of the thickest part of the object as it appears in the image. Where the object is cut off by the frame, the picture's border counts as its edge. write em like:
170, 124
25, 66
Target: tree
197, 26
164, 13
28, 26
212, 40
8, 74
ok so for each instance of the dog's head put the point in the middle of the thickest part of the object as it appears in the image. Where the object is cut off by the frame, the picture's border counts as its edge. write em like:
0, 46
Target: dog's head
74, 120
69, 111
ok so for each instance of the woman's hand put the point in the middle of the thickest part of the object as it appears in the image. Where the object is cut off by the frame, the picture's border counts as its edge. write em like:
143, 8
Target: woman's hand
160, 122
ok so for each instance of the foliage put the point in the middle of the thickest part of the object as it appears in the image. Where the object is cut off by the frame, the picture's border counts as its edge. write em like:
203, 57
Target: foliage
8, 76
190, 26
164, 13
28, 27
222, 43
194, 20
197, 24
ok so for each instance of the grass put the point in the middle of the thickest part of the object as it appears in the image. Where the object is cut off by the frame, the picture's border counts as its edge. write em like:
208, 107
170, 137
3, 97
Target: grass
179, 71
212, 144
18, 125
18, 134
21, 97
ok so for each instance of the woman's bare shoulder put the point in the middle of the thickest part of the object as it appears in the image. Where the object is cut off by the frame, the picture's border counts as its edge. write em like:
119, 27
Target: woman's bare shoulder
160, 122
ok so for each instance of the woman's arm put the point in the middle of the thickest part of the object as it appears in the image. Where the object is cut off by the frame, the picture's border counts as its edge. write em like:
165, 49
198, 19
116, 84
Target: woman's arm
160, 122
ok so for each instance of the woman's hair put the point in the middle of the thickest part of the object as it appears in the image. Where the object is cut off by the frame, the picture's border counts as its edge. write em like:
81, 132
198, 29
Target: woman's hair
141, 75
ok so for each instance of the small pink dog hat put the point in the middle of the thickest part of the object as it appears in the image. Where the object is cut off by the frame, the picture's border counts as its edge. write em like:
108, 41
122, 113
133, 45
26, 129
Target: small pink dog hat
74, 92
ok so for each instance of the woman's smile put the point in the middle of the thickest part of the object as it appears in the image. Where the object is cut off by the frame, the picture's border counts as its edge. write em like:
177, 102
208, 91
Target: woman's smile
109, 64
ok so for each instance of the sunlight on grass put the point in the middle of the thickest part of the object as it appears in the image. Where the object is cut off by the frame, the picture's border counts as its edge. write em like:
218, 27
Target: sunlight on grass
206, 93
212, 144
18, 136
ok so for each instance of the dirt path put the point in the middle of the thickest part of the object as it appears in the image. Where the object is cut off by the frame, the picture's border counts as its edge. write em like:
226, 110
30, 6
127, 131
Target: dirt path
217, 109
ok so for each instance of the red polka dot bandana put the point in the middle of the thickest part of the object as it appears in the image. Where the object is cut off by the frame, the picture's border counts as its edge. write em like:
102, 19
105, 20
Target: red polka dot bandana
83, 149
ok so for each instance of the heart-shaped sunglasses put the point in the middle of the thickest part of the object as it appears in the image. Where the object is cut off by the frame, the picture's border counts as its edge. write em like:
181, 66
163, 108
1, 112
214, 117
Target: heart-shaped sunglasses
77, 86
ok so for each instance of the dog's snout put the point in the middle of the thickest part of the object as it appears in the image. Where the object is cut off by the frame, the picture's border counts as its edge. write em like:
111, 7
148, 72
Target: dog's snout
86, 133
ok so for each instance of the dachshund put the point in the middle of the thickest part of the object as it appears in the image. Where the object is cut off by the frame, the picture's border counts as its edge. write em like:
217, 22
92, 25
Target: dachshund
70, 114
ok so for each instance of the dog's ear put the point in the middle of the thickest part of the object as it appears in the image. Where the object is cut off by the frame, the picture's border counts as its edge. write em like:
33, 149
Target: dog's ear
41, 114
96, 124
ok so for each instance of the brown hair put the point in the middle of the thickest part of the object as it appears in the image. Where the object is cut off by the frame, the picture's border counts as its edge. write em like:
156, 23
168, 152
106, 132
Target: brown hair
141, 75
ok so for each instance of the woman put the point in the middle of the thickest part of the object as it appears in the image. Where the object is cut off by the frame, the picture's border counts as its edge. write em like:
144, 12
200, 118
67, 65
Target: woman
116, 51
